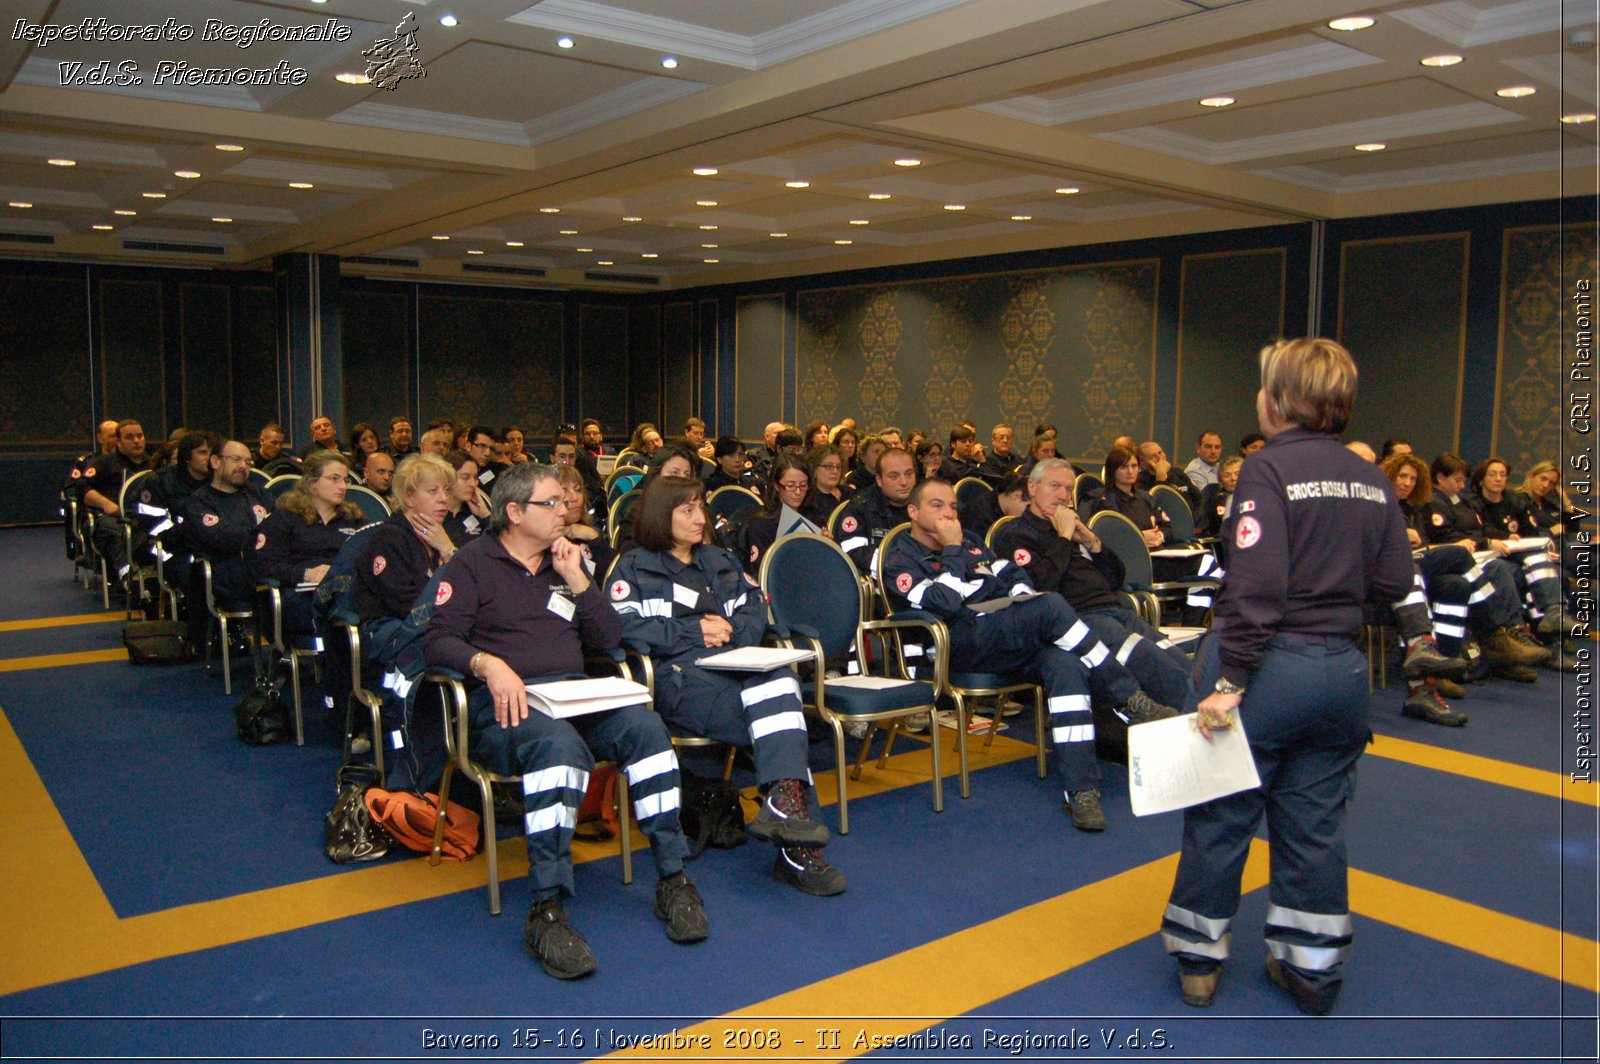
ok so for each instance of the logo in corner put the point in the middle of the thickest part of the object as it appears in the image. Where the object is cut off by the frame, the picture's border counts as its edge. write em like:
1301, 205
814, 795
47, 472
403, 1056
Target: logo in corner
392, 60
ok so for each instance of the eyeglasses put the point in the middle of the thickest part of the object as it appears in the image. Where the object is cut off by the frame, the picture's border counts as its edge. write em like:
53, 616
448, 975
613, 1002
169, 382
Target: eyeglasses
334, 478
800, 485
833, 466
557, 503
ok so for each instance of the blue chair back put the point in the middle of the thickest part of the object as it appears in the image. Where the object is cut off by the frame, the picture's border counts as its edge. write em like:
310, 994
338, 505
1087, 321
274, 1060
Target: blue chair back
1170, 501
259, 479
373, 508
621, 484
970, 492
617, 520
810, 582
1085, 487
277, 486
1119, 533
994, 530
732, 502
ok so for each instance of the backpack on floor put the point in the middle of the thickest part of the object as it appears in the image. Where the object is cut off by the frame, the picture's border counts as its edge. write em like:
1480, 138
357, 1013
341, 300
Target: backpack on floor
710, 813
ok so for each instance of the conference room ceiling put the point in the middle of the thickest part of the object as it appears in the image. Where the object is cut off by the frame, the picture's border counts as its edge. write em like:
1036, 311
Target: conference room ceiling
1034, 124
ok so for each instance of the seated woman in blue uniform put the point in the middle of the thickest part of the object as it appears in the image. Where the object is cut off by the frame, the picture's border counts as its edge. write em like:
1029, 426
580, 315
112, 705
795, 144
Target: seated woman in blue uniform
300, 538
789, 486
1124, 496
596, 550
686, 599
828, 487
468, 517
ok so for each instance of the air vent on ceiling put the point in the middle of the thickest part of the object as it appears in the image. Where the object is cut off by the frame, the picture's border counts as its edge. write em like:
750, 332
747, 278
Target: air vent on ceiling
378, 260
28, 238
624, 278
180, 249
514, 271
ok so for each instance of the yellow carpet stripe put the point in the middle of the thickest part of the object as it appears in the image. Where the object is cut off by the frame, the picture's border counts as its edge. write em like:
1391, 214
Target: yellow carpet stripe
62, 622
1487, 769
1533, 947
961, 973
55, 661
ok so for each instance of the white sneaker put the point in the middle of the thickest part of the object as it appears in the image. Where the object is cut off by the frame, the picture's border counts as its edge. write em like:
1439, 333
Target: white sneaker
916, 724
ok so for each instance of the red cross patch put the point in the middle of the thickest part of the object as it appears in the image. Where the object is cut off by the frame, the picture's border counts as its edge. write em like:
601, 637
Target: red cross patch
1248, 534
1022, 557
755, 552
445, 591
849, 524
89, 472
76, 473
619, 590
145, 495
261, 540
1438, 520
209, 519
902, 583
1512, 525
379, 564
260, 512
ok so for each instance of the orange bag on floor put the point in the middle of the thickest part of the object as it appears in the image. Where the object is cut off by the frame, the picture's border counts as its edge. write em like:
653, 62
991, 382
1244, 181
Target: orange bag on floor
411, 818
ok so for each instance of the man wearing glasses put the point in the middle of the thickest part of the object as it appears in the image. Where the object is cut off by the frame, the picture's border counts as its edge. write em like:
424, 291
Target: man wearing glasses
519, 604
219, 525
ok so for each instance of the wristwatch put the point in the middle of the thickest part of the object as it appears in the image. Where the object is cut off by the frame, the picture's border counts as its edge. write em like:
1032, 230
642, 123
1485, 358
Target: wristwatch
1223, 687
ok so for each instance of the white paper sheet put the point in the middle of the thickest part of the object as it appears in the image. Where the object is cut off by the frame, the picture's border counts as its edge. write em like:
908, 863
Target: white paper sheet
1171, 766
572, 698
755, 659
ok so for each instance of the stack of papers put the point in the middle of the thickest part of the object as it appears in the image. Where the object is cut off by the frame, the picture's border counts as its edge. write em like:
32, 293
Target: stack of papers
755, 659
574, 698
1172, 766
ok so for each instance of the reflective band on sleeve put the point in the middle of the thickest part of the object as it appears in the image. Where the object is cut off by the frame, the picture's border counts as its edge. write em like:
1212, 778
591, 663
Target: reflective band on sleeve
1450, 609
397, 739
852, 543
652, 766
1074, 635
161, 526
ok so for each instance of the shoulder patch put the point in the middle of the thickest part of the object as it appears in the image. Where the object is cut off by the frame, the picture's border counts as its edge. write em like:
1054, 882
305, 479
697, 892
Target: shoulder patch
379, 564
1246, 505
76, 473
261, 540
755, 552
1438, 519
849, 524
974, 550
260, 512
144, 495
902, 583
445, 591
1022, 557
209, 519
1248, 534
1511, 525
89, 472
619, 590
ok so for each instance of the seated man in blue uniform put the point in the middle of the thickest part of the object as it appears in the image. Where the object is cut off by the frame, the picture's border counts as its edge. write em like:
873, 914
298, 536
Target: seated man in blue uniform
941, 570
518, 604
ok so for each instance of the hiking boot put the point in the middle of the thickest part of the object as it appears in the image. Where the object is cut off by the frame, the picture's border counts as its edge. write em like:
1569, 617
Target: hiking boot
783, 818
1141, 709
1424, 659
1198, 990
805, 869
1424, 703
1310, 1001
1561, 659
550, 940
1085, 809
1553, 623
1516, 673
1448, 688
1503, 647
679, 904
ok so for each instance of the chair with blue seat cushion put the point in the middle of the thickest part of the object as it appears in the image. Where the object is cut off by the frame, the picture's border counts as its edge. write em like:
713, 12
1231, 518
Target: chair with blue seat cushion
967, 689
620, 517
1085, 487
372, 506
732, 502
289, 649
815, 598
278, 486
1171, 502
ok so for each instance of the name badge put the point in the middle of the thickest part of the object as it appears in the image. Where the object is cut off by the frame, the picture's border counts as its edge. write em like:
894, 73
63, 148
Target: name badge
686, 597
562, 606
486, 476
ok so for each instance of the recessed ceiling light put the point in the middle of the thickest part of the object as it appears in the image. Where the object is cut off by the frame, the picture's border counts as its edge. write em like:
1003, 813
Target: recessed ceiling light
301, 184
102, 227
797, 184
1217, 101
859, 221
605, 262
21, 203
1516, 92
153, 195
350, 77
583, 251
705, 171
1573, 120
230, 147
777, 234
549, 210
1022, 217
711, 247
474, 251
1350, 24
440, 236
127, 214
908, 162
221, 219
632, 218
563, 42
1441, 60
514, 244
705, 203
709, 228
1371, 147
844, 241
187, 174
877, 195
1068, 191
447, 20
569, 232
669, 62
648, 254
63, 162
955, 206
710, 262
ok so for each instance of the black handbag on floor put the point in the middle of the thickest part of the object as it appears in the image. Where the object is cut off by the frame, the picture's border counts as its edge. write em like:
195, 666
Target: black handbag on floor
261, 716
350, 835
710, 814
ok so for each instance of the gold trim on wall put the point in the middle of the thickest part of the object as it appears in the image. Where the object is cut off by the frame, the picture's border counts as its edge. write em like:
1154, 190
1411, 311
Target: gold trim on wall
1461, 330
1282, 252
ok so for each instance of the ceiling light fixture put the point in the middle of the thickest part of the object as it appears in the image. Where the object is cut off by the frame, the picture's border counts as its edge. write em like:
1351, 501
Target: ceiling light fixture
844, 241
549, 210
632, 218
710, 262
859, 221
474, 251
569, 232
705, 203
1516, 92
584, 251
153, 195
1574, 120
705, 171
709, 228
877, 195
648, 255
349, 77
187, 174
514, 243
230, 147
908, 162
217, 219
955, 206
21, 203
669, 62
1217, 101
301, 184
797, 184
127, 214
1441, 60
102, 227
1022, 217
1068, 191
777, 235
1351, 23
448, 20
1371, 147
710, 247
440, 236
563, 42
63, 162
605, 262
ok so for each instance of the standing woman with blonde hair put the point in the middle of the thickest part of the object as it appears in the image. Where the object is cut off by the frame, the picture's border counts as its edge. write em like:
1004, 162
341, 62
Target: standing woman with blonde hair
1316, 535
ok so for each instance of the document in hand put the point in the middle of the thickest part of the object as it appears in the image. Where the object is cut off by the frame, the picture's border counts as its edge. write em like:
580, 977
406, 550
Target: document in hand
755, 659
574, 698
790, 521
1171, 766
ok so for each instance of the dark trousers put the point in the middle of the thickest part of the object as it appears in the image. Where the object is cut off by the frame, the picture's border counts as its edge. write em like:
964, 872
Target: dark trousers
757, 710
1158, 666
1305, 712
554, 758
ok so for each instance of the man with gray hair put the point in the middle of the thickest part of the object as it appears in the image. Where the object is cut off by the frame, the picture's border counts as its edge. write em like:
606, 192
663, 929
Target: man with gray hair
518, 604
